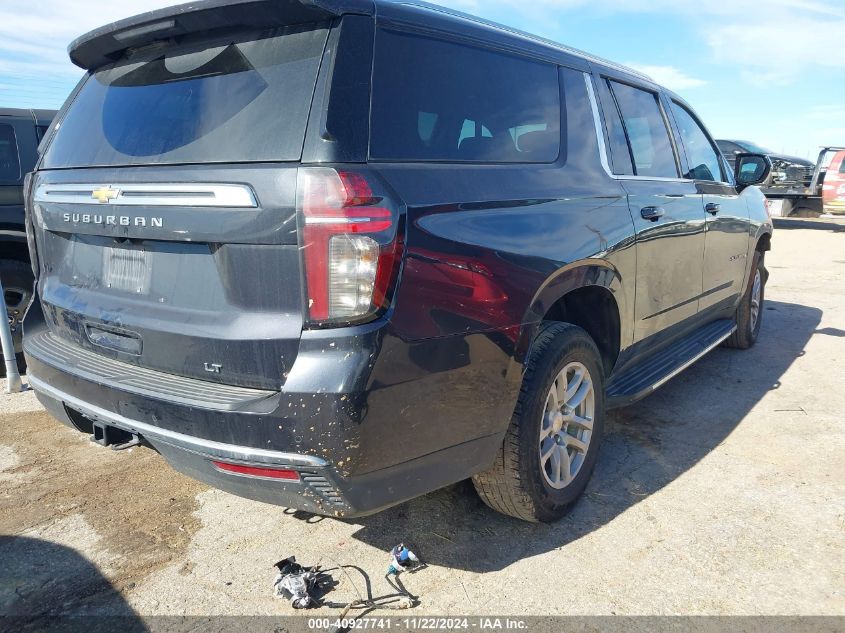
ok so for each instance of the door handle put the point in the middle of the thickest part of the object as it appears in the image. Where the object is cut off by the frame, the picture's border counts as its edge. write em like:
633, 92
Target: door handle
652, 213
712, 208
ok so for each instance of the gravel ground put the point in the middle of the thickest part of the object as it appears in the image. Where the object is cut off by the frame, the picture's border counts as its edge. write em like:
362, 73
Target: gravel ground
722, 494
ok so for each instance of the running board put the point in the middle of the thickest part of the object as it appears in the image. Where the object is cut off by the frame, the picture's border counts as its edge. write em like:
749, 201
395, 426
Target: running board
657, 370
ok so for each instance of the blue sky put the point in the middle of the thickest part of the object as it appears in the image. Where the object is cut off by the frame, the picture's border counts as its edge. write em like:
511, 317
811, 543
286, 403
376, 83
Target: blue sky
768, 71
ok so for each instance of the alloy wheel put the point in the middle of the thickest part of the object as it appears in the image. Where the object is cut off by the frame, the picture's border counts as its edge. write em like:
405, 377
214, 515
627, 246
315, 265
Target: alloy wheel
567, 425
756, 299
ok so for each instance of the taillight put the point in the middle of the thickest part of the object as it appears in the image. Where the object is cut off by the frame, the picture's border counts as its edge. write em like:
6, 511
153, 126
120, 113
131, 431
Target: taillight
284, 474
351, 246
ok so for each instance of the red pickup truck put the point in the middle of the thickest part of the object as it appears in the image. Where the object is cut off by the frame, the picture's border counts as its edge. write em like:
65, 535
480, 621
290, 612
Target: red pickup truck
833, 189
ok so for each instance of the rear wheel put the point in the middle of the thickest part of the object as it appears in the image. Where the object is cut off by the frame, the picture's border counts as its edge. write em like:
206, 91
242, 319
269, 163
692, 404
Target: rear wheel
749, 314
553, 440
17, 292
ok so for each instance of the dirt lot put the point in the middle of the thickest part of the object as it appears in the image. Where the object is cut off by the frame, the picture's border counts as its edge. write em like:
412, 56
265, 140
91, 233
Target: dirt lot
724, 493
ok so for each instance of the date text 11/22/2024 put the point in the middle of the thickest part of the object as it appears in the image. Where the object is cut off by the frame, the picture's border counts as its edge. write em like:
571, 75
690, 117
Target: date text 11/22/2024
419, 624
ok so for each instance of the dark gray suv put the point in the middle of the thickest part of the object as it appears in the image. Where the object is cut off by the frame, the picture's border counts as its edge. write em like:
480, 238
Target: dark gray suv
337, 254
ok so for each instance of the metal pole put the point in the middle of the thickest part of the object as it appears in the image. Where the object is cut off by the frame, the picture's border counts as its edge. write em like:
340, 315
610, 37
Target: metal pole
13, 378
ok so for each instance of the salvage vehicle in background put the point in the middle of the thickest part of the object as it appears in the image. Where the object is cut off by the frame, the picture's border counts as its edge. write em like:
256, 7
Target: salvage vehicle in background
833, 188
20, 132
795, 187
787, 171
339, 254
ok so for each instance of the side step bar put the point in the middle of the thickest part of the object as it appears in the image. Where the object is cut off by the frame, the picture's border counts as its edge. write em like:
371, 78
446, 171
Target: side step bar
657, 370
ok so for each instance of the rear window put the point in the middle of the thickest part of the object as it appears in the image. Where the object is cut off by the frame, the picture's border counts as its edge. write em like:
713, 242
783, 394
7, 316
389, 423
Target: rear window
444, 101
233, 100
10, 167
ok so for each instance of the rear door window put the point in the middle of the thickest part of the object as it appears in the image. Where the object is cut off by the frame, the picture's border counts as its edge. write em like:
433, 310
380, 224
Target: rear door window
237, 99
704, 161
445, 101
10, 166
620, 153
646, 130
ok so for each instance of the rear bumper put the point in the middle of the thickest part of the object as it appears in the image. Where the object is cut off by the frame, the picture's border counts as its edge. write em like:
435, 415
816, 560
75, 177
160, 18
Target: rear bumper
191, 439
194, 456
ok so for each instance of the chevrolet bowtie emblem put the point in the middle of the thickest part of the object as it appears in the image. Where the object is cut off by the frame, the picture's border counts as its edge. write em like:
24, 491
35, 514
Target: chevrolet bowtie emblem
105, 194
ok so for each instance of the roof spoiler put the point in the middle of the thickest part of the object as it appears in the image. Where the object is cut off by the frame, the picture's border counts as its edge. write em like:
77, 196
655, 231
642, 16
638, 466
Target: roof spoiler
107, 43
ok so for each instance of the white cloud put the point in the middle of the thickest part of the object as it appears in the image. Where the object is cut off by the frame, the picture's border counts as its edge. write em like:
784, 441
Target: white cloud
779, 48
669, 76
749, 10
34, 63
33, 44
774, 42
827, 112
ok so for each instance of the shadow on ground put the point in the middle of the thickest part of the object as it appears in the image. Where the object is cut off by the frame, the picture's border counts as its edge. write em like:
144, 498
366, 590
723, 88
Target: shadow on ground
45, 586
646, 446
802, 223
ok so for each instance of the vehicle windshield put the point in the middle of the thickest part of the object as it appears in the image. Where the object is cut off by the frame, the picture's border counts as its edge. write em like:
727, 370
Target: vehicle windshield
229, 100
754, 148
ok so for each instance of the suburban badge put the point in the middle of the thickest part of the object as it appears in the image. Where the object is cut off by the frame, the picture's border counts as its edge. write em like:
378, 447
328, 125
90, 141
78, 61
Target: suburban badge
113, 220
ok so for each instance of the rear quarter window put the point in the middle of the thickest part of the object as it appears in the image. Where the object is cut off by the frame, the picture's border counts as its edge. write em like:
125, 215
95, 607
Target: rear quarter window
10, 166
445, 101
239, 99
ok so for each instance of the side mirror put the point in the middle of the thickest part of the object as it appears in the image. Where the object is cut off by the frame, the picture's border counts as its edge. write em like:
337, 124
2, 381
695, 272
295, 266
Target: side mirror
752, 169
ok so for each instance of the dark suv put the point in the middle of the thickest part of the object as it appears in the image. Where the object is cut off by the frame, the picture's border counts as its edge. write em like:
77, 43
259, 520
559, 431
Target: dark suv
20, 132
334, 255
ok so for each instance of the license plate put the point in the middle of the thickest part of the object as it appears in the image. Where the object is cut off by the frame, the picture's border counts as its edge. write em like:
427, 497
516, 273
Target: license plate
127, 269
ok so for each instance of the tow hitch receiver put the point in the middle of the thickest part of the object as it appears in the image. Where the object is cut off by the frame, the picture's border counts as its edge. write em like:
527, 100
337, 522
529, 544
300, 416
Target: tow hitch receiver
118, 439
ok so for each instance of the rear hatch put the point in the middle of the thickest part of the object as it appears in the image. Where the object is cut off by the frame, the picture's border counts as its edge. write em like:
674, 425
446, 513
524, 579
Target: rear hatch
164, 209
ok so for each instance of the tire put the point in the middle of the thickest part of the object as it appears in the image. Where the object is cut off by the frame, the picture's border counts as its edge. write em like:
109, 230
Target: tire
749, 321
521, 483
17, 288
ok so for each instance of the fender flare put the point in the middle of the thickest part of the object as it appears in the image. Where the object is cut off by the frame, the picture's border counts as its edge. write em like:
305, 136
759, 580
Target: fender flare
763, 230
574, 276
